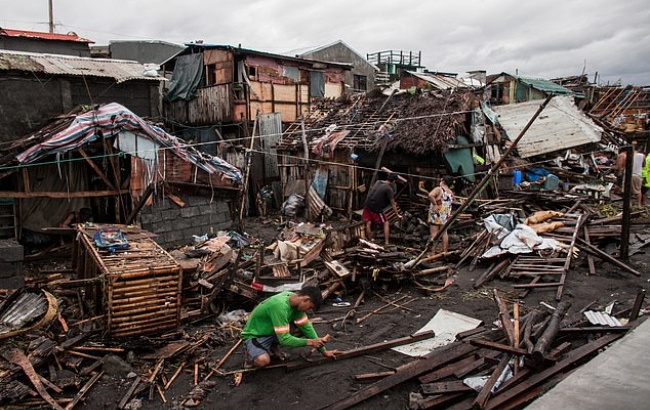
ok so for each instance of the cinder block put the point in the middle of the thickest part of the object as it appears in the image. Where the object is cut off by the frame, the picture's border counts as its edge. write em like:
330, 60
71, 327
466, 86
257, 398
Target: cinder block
182, 223
170, 214
11, 275
191, 211
11, 251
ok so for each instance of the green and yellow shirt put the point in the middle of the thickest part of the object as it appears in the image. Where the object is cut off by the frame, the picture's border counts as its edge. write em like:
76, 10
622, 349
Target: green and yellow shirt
273, 316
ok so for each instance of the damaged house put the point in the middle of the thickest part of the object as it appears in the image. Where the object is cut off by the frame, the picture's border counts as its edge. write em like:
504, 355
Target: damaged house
41, 86
560, 141
421, 136
360, 78
221, 96
112, 161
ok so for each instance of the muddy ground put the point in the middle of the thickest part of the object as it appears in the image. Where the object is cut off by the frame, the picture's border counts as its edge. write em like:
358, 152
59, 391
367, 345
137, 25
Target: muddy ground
316, 387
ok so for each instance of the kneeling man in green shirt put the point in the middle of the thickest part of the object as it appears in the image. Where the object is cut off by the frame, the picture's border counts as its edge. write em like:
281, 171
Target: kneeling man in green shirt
269, 326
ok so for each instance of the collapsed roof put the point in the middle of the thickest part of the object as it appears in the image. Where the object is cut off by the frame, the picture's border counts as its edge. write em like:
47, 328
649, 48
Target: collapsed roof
414, 124
116, 121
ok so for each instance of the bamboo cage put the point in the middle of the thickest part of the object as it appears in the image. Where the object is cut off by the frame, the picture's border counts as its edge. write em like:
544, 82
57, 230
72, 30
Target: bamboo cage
140, 286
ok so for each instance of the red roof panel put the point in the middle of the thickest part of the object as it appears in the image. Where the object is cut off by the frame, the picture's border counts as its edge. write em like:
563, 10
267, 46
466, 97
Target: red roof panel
71, 36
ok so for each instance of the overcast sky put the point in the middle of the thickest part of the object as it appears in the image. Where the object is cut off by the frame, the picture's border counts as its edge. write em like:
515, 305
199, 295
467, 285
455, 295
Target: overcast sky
550, 38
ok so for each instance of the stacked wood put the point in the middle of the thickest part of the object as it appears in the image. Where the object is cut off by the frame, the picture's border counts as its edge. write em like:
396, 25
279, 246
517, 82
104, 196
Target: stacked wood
484, 369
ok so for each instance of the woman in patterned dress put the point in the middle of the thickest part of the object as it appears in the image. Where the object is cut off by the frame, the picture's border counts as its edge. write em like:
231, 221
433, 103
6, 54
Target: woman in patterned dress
441, 198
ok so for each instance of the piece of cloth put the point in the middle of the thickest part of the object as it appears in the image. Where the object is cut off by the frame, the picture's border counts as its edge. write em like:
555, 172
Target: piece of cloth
440, 212
379, 197
637, 164
374, 217
273, 317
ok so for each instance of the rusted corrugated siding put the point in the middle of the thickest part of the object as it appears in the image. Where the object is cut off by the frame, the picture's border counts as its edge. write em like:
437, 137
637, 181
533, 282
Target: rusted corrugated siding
560, 126
119, 70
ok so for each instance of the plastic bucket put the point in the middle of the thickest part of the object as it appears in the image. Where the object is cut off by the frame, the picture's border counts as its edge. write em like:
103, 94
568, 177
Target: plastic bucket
516, 177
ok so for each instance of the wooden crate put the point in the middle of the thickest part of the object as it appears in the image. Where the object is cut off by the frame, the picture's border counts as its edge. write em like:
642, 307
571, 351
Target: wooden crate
141, 286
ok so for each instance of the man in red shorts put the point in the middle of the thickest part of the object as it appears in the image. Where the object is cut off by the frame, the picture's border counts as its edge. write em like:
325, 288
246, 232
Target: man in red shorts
380, 197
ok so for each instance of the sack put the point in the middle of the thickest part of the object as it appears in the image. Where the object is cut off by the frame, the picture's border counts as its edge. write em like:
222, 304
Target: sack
110, 238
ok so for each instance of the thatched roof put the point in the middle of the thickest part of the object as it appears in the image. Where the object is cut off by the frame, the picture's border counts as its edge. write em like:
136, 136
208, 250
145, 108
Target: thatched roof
415, 124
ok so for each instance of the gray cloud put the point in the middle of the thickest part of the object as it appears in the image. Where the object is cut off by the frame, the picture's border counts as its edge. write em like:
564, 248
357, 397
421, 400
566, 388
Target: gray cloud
549, 38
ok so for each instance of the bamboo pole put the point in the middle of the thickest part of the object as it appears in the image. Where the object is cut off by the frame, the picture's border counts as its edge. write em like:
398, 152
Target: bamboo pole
379, 309
477, 190
223, 359
515, 314
249, 160
176, 373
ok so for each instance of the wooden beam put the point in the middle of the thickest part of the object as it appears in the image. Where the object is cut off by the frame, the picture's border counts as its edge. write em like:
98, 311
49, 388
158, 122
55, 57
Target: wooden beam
377, 347
603, 256
17, 357
26, 180
481, 400
96, 169
61, 195
448, 354
145, 196
499, 347
503, 396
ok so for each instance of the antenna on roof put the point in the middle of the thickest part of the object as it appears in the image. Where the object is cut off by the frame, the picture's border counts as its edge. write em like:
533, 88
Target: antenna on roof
51, 16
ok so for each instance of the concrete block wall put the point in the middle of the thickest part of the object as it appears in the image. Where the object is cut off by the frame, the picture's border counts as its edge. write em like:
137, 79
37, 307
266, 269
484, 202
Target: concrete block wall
176, 226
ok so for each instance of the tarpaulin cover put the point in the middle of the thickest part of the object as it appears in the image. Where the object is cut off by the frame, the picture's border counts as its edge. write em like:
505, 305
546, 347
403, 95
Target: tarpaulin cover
186, 77
460, 160
109, 121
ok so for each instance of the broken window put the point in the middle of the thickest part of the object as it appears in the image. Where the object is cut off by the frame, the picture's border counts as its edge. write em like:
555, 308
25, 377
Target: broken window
360, 83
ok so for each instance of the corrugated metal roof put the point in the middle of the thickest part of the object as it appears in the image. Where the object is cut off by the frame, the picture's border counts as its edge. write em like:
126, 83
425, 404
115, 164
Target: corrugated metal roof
192, 47
442, 82
541, 84
560, 126
601, 318
119, 70
44, 36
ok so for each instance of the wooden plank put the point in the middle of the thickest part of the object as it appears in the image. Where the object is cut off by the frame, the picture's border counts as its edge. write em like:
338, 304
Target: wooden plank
603, 256
437, 401
84, 390
96, 169
481, 400
377, 347
504, 316
498, 346
447, 370
537, 285
62, 195
454, 386
17, 357
503, 396
442, 356
590, 258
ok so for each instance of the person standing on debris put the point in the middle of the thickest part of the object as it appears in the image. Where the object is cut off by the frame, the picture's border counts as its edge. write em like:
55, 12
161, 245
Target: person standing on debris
441, 198
269, 327
380, 197
637, 180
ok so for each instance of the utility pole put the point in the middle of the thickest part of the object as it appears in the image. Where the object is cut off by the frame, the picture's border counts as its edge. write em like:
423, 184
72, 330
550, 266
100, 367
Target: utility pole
51, 17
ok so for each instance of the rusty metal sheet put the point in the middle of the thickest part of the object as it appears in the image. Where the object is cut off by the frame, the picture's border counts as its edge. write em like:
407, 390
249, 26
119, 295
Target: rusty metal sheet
562, 125
119, 70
